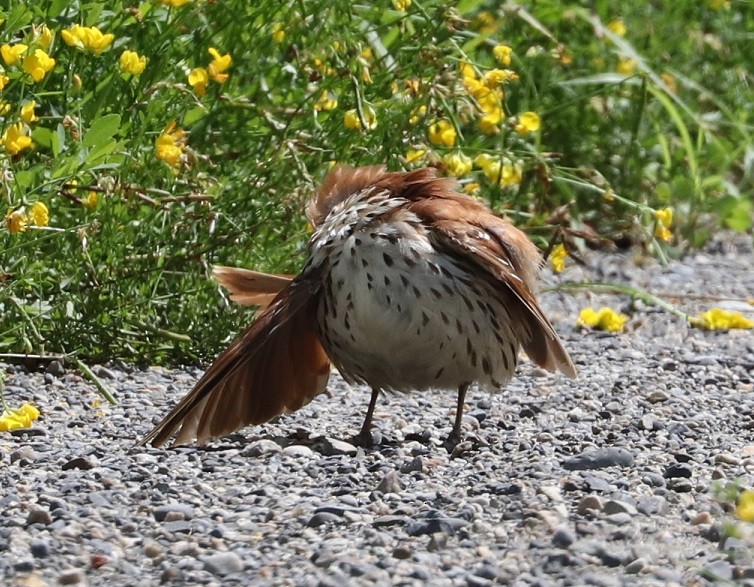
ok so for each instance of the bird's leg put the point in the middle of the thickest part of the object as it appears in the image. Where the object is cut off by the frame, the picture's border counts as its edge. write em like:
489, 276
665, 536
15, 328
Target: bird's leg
455, 435
364, 437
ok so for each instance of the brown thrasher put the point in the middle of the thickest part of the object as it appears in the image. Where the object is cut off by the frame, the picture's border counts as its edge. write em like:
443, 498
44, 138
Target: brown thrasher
409, 285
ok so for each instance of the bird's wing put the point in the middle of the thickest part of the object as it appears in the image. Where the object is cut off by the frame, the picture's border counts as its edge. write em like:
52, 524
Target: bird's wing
278, 365
250, 288
505, 254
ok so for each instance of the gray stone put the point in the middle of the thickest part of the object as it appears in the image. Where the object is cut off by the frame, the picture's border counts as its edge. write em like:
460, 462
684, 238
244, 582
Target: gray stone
260, 447
614, 506
23, 456
563, 537
434, 525
78, 463
38, 515
71, 577
321, 518
40, 549
299, 451
414, 465
390, 483
332, 446
589, 503
55, 368
636, 566
162, 512
223, 563
599, 458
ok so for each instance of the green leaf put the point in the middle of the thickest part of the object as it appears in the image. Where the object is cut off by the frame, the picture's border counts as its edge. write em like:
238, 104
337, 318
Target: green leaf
25, 179
194, 115
102, 130
737, 215
42, 136
56, 7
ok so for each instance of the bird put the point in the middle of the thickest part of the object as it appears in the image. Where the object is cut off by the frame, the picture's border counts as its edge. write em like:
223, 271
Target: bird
409, 286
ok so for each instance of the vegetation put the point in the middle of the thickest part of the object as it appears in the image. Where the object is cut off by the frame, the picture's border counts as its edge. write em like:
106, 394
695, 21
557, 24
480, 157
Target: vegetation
143, 143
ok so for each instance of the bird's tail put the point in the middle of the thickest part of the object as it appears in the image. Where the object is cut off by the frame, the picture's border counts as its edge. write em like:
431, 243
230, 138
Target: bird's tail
250, 288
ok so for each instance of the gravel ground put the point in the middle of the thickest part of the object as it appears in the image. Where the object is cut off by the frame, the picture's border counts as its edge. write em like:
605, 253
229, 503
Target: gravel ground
605, 480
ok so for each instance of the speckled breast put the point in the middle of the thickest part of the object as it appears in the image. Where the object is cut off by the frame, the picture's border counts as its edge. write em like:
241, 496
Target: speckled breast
397, 314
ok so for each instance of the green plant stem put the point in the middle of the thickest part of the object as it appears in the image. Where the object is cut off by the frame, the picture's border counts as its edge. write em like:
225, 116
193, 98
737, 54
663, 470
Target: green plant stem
89, 374
617, 288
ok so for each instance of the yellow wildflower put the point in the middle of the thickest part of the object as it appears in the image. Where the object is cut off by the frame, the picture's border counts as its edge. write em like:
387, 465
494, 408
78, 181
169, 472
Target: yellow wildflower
198, 79
16, 221
417, 114
719, 319
617, 27
326, 102
490, 123
39, 215
12, 53
484, 161
91, 200
602, 319
664, 219
278, 34
485, 23
322, 67
27, 112
457, 164
15, 139
501, 172
131, 62
662, 233
745, 506
169, 145
4, 79
442, 132
511, 174
626, 66
413, 86
218, 66
88, 38
38, 64
351, 119
44, 37
174, 3
558, 258
472, 188
402, 5
5, 108
495, 77
413, 155
528, 122
467, 71
503, 54
20, 418
664, 216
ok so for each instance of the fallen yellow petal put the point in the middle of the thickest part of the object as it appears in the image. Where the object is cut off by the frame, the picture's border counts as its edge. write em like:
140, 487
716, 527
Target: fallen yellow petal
719, 319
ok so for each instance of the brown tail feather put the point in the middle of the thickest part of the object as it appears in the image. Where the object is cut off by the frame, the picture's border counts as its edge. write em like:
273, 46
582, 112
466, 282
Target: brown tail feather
250, 288
276, 366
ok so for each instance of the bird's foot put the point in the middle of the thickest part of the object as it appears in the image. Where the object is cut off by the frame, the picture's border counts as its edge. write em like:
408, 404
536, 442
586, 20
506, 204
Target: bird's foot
453, 440
364, 439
